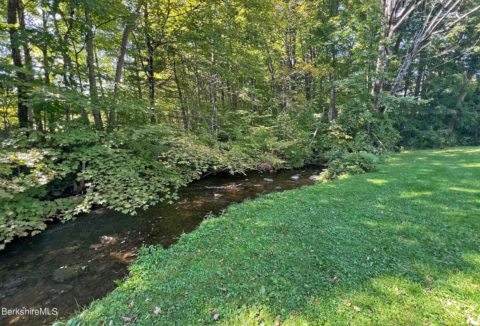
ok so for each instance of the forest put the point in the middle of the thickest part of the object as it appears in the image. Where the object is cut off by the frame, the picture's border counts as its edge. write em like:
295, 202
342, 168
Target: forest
121, 104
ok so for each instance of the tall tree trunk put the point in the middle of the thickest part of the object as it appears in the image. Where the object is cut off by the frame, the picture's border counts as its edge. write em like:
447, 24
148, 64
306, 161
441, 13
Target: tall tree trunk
46, 69
402, 73
213, 102
394, 13
97, 117
138, 81
28, 61
150, 66
68, 79
77, 70
332, 110
183, 103
381, 66
99, 74
13, 6
419, 77
121, 59
83, 112
119, 67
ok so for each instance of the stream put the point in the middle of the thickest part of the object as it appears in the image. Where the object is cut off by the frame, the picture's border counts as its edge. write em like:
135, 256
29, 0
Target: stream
69, 265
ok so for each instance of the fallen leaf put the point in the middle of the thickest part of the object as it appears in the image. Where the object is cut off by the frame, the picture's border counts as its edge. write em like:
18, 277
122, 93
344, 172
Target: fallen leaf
157, 311
334, 280
472, 321
128, 320
357, 308
428, 279
278, 321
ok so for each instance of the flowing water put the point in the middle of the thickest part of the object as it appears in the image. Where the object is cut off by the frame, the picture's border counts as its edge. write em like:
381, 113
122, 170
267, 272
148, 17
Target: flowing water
69, 265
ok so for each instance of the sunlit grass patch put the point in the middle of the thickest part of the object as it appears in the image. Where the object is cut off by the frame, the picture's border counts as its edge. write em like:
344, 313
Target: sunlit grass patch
377, 181
471, 191
471, 165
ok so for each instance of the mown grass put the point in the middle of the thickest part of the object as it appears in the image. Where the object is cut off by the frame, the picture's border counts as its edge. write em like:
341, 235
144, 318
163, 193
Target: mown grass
399, 246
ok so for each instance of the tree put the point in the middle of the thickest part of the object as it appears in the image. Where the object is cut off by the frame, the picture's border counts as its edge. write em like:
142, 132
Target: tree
92, 79
436, 18
14, 6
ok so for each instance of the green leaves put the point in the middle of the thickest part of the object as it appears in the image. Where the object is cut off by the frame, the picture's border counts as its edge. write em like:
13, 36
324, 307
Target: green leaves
22, 215
56, 176
350, 163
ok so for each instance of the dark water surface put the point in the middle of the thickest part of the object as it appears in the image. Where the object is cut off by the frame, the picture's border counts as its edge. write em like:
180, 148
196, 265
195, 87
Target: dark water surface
68, 266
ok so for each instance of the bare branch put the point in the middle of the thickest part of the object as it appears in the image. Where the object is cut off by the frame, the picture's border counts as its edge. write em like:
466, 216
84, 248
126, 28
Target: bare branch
406, 12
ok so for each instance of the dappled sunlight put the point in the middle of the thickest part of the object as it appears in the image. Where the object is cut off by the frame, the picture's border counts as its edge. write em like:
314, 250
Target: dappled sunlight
470, 165
470, 191
377, 181
473, 259
393, 159
425, 170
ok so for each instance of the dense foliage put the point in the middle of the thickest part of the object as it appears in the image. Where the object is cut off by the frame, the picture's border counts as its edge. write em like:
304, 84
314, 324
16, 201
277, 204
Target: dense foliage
120, 102
59, 175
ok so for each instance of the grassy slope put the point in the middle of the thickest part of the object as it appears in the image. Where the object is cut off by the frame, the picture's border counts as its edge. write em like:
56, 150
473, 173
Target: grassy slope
399, 246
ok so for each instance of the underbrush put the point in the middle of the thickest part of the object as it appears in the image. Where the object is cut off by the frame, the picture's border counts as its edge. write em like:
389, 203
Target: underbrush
349, 163
56, 176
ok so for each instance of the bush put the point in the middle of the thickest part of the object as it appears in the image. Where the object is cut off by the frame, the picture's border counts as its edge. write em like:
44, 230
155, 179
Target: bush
350, 163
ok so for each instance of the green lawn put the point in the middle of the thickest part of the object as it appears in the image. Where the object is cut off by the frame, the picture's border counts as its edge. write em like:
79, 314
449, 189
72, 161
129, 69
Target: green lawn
399, 246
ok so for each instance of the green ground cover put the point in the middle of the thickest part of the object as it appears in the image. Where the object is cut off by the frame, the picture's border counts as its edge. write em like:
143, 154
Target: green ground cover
398, 246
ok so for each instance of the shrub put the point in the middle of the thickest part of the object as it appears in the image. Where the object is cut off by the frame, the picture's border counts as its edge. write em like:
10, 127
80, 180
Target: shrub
350, 163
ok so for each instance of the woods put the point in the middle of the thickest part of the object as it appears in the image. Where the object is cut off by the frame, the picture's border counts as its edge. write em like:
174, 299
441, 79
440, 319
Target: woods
101, 96
195, 64
143, 119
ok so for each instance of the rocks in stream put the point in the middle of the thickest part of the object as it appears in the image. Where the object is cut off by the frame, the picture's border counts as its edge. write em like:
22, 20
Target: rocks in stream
67, 273
266, 167
267, 180
124, 257
315, 178
295, 177
105, 241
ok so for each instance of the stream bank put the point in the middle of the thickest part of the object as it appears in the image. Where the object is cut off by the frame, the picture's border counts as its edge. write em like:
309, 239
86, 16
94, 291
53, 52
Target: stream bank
69, 265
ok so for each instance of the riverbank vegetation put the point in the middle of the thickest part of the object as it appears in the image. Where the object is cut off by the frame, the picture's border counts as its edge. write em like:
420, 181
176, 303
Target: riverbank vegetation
118, 103
398, 246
